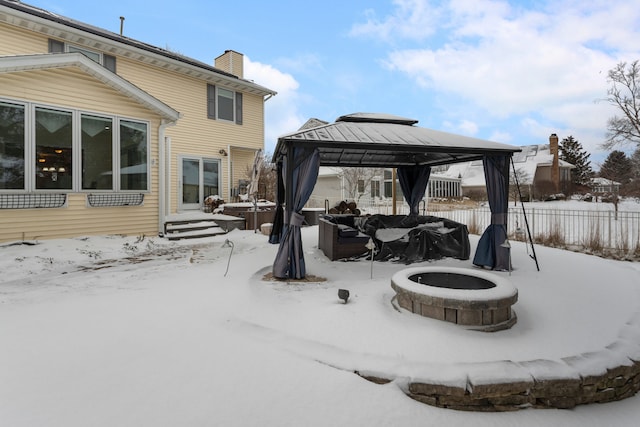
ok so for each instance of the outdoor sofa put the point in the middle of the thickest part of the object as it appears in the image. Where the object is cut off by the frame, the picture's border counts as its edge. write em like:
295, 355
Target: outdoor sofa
339, 238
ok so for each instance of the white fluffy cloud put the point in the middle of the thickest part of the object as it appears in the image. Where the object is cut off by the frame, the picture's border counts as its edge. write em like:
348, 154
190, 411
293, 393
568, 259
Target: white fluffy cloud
548, 64
281, 111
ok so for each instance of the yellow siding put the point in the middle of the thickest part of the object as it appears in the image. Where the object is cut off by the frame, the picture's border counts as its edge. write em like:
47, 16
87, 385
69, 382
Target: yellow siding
15, 41
193, 135
70, 88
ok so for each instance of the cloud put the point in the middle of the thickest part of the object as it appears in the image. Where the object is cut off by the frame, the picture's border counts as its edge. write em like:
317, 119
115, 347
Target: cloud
543, 65
281, 111
413, 19
464, 127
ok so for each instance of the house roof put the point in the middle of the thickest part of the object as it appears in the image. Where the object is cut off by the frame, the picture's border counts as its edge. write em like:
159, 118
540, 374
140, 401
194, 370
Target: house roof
63, 28
384, 140
603, 181
12, 64
526, 161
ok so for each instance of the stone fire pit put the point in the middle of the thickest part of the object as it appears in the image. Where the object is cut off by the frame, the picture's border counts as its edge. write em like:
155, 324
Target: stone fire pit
473, 298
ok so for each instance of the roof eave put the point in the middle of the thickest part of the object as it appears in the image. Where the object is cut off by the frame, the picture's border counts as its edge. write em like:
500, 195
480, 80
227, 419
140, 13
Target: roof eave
9, 64
61, 27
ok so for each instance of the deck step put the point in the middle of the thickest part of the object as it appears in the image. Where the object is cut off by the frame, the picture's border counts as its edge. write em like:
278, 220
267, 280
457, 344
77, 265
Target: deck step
177, 229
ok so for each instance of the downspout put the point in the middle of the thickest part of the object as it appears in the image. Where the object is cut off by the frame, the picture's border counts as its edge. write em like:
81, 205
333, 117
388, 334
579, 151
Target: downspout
229, 177
163, 178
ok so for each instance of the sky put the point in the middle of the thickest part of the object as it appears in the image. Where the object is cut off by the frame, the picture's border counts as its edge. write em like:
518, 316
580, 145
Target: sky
123, 331
508, 71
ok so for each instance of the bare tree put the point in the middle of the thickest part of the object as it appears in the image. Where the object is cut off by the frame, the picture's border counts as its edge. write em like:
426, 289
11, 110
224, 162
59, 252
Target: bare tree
267, 180
522, 178
357, 180
624, 94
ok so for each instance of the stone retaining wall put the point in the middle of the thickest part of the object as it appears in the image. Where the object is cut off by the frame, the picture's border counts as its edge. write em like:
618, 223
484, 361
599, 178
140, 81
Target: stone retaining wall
604, 376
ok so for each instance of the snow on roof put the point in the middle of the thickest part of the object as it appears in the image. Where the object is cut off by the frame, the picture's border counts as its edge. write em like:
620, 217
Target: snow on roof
604, 181
526, 161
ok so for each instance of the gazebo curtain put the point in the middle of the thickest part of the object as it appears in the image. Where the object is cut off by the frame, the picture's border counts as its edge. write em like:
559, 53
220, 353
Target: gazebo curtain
489, 252
278, 219
413, 183
301, 166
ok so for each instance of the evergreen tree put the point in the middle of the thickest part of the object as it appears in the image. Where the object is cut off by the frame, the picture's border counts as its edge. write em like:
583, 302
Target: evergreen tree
617, 167
635, 165
571, 151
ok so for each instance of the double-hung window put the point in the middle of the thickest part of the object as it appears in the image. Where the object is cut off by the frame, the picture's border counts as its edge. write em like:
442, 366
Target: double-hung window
375, 188
224, 104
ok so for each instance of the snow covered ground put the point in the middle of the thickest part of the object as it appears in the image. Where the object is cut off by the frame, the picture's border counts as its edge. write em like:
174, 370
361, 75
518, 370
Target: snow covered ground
119, 331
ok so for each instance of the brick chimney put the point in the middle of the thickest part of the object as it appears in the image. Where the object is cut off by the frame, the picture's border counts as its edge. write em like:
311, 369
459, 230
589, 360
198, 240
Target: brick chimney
555, 164
231, 62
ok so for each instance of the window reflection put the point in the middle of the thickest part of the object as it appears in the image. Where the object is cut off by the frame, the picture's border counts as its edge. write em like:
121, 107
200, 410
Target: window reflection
53, 149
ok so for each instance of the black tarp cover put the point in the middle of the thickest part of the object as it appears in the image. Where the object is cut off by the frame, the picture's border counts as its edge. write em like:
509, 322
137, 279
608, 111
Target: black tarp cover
426, 238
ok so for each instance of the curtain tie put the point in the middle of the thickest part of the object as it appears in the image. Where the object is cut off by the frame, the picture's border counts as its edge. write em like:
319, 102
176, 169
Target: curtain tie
296, 219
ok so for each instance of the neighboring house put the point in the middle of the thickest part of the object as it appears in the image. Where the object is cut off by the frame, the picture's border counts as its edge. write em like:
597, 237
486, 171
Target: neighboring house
103, 134
604, 185
539, 170
375, 185
333, 187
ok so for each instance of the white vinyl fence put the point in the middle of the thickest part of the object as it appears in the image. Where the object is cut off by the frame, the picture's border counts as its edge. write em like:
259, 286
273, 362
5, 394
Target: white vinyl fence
593, 229
586, 228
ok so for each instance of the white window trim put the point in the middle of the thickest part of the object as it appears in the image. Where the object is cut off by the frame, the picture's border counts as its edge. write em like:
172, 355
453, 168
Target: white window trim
76, 147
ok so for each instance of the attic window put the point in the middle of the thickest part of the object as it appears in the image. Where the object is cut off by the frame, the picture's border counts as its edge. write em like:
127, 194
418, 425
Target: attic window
107, 61
94, 56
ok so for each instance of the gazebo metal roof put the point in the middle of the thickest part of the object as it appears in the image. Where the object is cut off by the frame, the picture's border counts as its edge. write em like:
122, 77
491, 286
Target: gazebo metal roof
384, 140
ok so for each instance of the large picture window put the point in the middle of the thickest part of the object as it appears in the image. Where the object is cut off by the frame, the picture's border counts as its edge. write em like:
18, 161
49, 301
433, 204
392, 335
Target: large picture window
44, 148
12, 147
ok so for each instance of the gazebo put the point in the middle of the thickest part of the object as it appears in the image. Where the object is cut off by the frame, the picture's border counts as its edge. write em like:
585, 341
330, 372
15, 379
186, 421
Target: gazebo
382, 140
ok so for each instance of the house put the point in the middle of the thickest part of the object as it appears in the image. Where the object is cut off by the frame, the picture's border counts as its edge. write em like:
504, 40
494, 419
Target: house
604, 185
539, 170
372, 186
103, 134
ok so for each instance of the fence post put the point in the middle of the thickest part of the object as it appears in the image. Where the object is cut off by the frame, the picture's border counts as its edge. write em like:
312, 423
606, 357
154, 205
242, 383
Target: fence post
533, 223
609, 245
